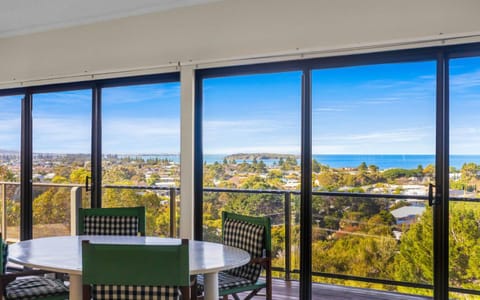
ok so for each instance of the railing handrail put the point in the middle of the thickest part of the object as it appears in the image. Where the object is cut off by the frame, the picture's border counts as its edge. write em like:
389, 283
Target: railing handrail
139, 187
49, 184
255, 191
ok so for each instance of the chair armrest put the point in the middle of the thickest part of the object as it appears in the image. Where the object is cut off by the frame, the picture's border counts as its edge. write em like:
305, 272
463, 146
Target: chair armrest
259, 260
264, 261
9, 277
12, 276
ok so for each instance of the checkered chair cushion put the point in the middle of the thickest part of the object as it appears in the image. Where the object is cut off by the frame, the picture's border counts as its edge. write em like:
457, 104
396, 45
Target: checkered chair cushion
249, 237
110, 225
34, 287
225, 281
133, 292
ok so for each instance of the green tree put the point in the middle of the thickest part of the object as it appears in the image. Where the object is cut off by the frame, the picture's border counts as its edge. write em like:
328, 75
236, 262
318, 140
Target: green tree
6, 174
429, 170
291, 161
316, 166
261, 167
79, 175
414, 262
469, 172
362, 167
153, 179
52, 207
59, 179
328, 180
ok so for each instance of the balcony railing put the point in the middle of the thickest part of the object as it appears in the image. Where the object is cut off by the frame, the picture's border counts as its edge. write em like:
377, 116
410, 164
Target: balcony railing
289, 213
10, 203
285, 217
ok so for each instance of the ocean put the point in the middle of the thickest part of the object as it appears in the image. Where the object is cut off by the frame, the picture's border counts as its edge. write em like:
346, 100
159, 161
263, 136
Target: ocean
408, 161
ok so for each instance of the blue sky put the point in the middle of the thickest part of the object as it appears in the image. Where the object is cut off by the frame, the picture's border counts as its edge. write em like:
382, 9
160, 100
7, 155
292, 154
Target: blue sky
258, 113
377, 109
384, 109
10, 111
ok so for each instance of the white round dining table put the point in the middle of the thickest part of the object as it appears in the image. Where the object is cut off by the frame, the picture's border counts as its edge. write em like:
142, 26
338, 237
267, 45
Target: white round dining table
64, 254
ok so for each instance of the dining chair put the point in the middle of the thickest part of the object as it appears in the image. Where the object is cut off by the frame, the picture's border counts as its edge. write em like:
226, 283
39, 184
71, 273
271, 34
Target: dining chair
135, 271
252, 234
28, 284
111, 221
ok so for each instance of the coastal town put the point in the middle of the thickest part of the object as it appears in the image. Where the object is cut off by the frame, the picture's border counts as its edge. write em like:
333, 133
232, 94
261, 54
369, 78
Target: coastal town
240, 171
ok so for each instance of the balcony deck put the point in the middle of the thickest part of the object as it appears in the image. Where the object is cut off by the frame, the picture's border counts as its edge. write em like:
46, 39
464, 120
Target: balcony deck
289, 290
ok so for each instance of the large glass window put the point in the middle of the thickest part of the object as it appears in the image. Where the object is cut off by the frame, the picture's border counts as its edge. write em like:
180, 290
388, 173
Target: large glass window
10, 133
251, 146
141, 147
464, 204
373, 133
61, 157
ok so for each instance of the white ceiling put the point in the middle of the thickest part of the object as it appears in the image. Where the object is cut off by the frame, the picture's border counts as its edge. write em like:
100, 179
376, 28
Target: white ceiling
19, 17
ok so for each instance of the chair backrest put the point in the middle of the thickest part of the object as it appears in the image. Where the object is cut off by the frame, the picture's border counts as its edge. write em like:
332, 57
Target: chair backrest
128, 271
252, 234
111, 221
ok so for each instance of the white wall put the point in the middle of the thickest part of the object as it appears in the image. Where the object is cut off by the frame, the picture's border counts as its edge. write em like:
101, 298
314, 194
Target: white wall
229, 29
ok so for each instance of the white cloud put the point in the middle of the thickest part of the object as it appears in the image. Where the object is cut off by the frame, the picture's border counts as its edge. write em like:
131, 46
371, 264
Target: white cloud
286, 149
328, 109
398, 135
61, 135
234, 136
406, 140
142, 93
465, 80
464, 140
256, 127
381, 100
142, 135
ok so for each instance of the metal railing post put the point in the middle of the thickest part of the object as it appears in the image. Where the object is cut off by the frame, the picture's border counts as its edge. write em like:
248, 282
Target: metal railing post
288, 237
173, 213
4, 211
75, 204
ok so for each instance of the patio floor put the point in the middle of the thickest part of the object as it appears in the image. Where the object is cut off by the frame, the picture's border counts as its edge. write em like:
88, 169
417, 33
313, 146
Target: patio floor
286, 290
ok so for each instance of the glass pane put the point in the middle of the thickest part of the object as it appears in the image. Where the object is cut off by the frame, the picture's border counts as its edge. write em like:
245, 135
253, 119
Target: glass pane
464, 263
251, 146
373, 134
10, 135
141, 148
61, 157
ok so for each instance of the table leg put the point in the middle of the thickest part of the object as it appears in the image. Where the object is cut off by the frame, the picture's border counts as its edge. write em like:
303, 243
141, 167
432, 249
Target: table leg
76, 287
211, 286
